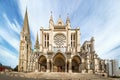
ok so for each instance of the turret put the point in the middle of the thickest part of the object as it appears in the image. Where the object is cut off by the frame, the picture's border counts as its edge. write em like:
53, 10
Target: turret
92, 44
68, 22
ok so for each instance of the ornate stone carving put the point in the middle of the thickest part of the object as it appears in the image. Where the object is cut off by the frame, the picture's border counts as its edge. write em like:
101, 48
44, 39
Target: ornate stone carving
59, 39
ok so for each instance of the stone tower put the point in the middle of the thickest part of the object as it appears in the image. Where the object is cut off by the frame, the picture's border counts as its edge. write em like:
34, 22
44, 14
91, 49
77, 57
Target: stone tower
25, 46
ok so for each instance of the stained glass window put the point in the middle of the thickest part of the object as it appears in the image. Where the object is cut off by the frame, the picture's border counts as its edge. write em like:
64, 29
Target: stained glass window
59, 39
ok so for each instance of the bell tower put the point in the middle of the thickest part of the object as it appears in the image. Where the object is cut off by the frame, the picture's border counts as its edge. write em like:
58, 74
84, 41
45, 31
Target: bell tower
25, 46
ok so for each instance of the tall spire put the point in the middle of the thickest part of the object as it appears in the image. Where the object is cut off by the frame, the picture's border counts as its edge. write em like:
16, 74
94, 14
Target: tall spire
26, 24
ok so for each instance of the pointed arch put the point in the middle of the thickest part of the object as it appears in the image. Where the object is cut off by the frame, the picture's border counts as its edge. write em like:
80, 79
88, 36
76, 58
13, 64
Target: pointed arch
76, 63
41, 57
42, 63
77, 57
59, 54
59, 61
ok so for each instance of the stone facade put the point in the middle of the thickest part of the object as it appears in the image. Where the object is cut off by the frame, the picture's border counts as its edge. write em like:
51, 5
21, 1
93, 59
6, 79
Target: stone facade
58, 50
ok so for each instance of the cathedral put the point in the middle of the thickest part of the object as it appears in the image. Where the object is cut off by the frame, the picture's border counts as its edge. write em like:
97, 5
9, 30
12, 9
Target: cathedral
58, 50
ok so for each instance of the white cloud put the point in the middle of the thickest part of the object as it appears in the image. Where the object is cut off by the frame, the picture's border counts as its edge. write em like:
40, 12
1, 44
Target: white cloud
7, 57
104, 25
14, 26
23, 5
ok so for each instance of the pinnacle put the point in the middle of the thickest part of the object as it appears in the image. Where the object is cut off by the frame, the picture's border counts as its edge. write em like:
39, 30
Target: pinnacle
26, 24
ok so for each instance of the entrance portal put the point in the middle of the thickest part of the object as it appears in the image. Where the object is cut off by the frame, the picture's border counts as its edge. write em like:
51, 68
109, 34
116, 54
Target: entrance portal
59, 63
76, 62
42, 63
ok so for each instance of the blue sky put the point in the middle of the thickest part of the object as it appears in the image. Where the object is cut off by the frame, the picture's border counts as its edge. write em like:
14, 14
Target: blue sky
98, 18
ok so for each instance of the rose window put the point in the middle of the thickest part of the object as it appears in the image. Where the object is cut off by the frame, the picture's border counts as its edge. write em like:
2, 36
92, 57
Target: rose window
59, 39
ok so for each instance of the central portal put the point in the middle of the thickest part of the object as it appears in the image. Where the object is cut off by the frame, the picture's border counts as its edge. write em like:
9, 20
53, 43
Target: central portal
59, 63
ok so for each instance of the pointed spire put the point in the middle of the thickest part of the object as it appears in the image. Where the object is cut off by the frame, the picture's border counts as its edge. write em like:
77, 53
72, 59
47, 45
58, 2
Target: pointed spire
51, 18
51, 22
37, 42
26, 24
68, 19
37, 38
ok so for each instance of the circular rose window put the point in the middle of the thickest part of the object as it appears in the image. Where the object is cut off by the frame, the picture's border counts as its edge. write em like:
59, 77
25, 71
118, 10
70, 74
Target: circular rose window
59, 39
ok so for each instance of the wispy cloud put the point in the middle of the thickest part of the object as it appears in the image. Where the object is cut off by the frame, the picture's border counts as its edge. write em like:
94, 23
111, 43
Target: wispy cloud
10, 26
7, 57
11, 33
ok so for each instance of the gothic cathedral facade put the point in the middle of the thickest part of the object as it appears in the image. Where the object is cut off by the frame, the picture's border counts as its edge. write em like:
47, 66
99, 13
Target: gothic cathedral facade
58, 50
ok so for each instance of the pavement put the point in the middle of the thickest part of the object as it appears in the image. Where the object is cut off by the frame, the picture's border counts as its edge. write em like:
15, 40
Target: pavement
50, 76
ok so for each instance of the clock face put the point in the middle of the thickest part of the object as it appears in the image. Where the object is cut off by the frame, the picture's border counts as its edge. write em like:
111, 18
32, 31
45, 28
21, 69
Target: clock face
59, 39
